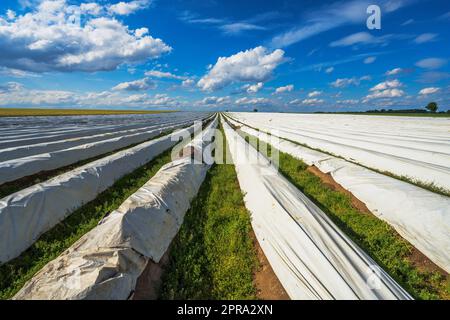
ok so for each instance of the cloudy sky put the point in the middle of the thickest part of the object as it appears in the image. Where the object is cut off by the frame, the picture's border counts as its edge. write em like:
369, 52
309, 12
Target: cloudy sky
224, 55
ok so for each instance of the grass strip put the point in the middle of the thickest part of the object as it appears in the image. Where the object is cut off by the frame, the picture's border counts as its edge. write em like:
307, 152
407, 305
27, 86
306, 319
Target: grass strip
213, 256
24, 112
373, 235
430, 186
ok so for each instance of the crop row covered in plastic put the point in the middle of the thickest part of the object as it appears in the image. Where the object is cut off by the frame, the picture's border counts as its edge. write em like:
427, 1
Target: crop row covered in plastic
25, 215
420, 216
418, 148
106, 262
311, 257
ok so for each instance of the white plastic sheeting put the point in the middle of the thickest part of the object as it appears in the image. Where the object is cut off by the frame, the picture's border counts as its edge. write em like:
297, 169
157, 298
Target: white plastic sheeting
27, 214
50, 129
311, 257
44, 147
418, 215
17, 168
107, 261
406, 146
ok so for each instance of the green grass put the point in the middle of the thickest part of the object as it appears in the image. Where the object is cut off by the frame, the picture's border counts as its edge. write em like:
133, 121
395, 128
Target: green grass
373, 235
19, 112
213, 256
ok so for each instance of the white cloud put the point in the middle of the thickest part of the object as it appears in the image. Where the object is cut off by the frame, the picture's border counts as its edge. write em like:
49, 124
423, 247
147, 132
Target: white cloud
431, 63
312, 102
161, 74
127, 8
252, 101
214, 101
137, 85
10, 14
388, 93
386, 89
345, 82
331, 16
287, 88
348, 102
254, 65
426, 91
370, 60
360, 37
239, 27
387, 84
329, 70
425, 37
394, 71
52, 37
313, 94
254, 88
10, 86
188, 83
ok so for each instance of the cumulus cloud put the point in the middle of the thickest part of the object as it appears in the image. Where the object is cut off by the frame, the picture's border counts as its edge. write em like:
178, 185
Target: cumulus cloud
284, 89
253, 101
137, 85
426, 91
53, 37
214, 101
254, 65
312, 102
18, 95
345, 82
254, 88
386, 89
431, 63
313, 94
127, 8
387, 84
329, 70
388, 93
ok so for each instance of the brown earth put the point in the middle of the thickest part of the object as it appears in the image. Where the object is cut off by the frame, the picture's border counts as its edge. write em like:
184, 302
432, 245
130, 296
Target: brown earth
149, 282
266, 282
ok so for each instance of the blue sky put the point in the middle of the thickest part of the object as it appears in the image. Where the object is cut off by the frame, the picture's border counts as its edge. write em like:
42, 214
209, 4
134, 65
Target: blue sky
298, 56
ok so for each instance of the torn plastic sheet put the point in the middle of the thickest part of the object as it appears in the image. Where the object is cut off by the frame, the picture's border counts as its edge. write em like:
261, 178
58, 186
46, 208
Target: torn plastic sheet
418, 215
311, 257
27, 214
107, 261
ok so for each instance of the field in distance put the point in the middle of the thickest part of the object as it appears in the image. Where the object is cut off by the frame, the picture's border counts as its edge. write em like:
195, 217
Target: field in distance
16, 112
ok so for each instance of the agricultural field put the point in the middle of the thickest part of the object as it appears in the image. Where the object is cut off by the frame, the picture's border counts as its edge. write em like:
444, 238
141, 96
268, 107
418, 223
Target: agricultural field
255, 206
18, 112
225, 158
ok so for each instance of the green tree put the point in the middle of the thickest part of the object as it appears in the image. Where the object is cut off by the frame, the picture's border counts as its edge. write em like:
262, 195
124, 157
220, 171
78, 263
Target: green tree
432, 107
